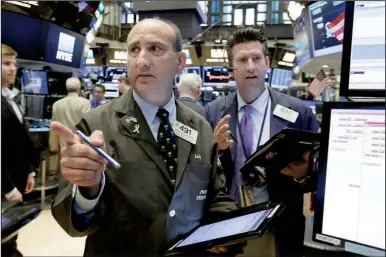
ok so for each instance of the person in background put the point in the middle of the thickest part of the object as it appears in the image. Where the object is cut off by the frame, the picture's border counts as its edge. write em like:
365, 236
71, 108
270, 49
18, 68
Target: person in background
189, 90
123, 84
248, 114
98, 96
69, 111
151, 202
19, 158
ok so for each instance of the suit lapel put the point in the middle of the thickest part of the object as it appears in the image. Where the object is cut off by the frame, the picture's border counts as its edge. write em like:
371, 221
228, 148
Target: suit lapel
276, 123
134, 125
231, 109
184, 147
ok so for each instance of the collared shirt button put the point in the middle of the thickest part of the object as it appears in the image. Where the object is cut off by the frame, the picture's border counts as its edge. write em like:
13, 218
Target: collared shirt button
172, 213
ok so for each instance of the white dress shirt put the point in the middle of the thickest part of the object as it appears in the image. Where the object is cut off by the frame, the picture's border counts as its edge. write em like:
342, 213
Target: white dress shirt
259, 106
149, 111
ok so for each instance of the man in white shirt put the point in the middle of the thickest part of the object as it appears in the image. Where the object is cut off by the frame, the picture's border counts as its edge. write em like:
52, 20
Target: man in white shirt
19, 158
68, 111
18, 154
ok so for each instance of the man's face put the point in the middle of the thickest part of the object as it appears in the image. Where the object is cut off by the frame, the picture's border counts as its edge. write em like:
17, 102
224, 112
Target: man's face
8, 70
249, 65
98, 94
152, 61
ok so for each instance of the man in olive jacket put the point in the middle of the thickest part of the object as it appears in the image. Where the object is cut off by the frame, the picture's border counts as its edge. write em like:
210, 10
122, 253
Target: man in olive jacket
145, 206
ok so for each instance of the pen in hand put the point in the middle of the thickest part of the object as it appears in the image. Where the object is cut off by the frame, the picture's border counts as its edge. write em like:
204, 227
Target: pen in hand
98, 150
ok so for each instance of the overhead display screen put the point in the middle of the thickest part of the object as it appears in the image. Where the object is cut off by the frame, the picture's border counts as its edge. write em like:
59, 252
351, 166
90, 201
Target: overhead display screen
62, 46
215, 75
327, 27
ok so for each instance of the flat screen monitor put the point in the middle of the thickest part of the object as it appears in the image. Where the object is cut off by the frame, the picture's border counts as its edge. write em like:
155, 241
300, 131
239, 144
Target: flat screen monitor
215, 75
61, 46
196, 70
35, 82
114, 73
22, 33
327, 25
363, 61
350, 194
301, 39
57, 82
281, 78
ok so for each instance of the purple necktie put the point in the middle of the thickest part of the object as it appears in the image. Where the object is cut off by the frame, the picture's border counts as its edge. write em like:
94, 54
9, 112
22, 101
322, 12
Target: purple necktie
247, 130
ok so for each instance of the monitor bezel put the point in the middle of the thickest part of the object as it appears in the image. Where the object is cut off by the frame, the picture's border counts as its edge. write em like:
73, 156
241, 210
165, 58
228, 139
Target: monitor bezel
322, 169
346, 59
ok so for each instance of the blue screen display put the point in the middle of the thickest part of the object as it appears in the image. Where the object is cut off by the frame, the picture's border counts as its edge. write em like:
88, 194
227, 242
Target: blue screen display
22, 33
62, 46
35, 82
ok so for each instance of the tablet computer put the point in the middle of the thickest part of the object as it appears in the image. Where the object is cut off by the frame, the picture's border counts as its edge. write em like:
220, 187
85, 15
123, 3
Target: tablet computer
240, 226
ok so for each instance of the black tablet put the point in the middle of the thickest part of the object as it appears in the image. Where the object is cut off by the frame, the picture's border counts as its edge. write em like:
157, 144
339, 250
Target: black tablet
240, 226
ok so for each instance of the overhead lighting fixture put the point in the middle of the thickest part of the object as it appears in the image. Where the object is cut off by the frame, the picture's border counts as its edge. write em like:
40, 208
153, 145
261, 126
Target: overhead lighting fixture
285, 64
289, 57
294, 10
325, 66
20, 4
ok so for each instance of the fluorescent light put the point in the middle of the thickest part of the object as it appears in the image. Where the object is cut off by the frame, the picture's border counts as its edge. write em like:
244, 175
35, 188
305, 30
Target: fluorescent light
289, 57
325, 66
19, 3
285, 64
294, 9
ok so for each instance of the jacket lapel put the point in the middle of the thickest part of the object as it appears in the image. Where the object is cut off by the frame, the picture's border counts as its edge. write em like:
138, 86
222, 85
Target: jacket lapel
184, 147
132, 123
230, 107
277, 124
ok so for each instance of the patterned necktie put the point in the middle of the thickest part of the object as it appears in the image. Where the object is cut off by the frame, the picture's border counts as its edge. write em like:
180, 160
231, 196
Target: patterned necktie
168, 143
247, 130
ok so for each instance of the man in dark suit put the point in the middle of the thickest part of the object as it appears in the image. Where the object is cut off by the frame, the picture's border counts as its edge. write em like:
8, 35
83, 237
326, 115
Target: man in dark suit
252, 114
18, 156
189, 89
167, 185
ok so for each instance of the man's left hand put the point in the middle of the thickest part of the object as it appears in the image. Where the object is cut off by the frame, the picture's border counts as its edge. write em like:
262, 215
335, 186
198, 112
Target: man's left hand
30, 185
298, 169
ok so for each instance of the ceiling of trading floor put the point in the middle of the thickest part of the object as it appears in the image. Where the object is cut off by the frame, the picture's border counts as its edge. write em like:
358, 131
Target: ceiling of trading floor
333, 61
63, 13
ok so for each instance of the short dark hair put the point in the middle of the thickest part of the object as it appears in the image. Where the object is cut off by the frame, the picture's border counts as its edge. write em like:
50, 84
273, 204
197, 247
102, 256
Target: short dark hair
100, 86
246, 35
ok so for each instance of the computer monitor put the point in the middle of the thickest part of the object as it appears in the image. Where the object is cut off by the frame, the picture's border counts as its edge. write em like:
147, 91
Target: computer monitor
215, 75
363, 59
35, 82
281, 78
350, 193
327, 24
57, 82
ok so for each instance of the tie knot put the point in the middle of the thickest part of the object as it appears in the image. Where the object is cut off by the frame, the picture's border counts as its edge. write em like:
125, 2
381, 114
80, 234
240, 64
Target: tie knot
248, 109
162, 114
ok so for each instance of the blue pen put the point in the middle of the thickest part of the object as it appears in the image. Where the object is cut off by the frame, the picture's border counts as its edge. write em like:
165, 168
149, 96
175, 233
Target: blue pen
98, 149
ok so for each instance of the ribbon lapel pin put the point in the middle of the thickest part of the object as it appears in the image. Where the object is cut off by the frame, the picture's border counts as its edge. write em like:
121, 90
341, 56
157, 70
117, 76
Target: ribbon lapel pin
136, 128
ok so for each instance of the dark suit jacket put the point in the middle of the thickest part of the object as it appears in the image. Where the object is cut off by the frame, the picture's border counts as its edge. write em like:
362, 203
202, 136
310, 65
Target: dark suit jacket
189, 102
280, 187
18, 155
131, 214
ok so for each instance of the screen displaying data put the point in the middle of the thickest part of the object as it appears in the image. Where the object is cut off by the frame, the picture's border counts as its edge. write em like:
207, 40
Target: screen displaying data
354, 199
231, 227
327, 26
281, 78
367, 68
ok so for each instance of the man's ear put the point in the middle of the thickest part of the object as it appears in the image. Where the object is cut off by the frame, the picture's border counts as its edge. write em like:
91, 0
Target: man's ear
267, 61
181, 60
